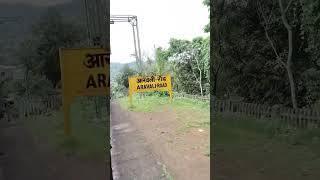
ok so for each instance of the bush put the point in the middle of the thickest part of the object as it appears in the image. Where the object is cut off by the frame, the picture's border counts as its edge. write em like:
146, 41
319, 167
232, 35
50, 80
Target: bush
122, 78
35, 85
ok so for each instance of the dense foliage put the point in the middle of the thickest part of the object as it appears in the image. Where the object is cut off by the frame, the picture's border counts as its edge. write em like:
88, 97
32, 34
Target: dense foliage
188, 63
251, 50
39, 52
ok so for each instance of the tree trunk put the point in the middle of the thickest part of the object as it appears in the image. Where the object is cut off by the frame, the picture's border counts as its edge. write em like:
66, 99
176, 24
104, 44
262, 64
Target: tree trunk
292, 88
200, 84
289, 58
200, 76
215, 79
198, 80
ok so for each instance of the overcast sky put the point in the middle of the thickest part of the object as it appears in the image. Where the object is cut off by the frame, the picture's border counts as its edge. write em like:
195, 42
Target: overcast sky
158, 21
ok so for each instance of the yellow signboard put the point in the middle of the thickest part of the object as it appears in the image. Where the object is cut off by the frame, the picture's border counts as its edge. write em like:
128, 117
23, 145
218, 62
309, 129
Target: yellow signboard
150, 83
84, 72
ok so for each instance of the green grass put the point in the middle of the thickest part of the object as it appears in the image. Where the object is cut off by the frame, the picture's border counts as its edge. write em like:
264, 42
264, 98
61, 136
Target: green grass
87, 138
207, 150
144, 104
191, 113
274, 148
233, 130
165, 173
150, 103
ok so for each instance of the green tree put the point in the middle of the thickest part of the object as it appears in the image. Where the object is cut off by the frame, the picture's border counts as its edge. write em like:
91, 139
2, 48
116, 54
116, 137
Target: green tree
161, 60
207, 27
51, 33
149, 65
250, 51
27, 57
125, 73
200, 62
190, 65
36, 85
310, 26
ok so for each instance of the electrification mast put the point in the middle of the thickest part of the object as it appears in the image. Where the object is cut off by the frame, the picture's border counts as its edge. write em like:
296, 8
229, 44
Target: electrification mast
133, 20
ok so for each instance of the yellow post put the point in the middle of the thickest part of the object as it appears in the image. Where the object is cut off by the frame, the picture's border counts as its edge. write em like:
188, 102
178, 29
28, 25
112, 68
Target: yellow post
78, 76
170, 94
130, 98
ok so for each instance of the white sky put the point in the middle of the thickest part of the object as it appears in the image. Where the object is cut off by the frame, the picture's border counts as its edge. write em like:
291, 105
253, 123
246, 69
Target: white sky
158, 21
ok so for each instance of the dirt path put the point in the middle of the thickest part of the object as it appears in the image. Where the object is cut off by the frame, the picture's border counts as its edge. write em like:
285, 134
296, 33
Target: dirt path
181, 154
132, 157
